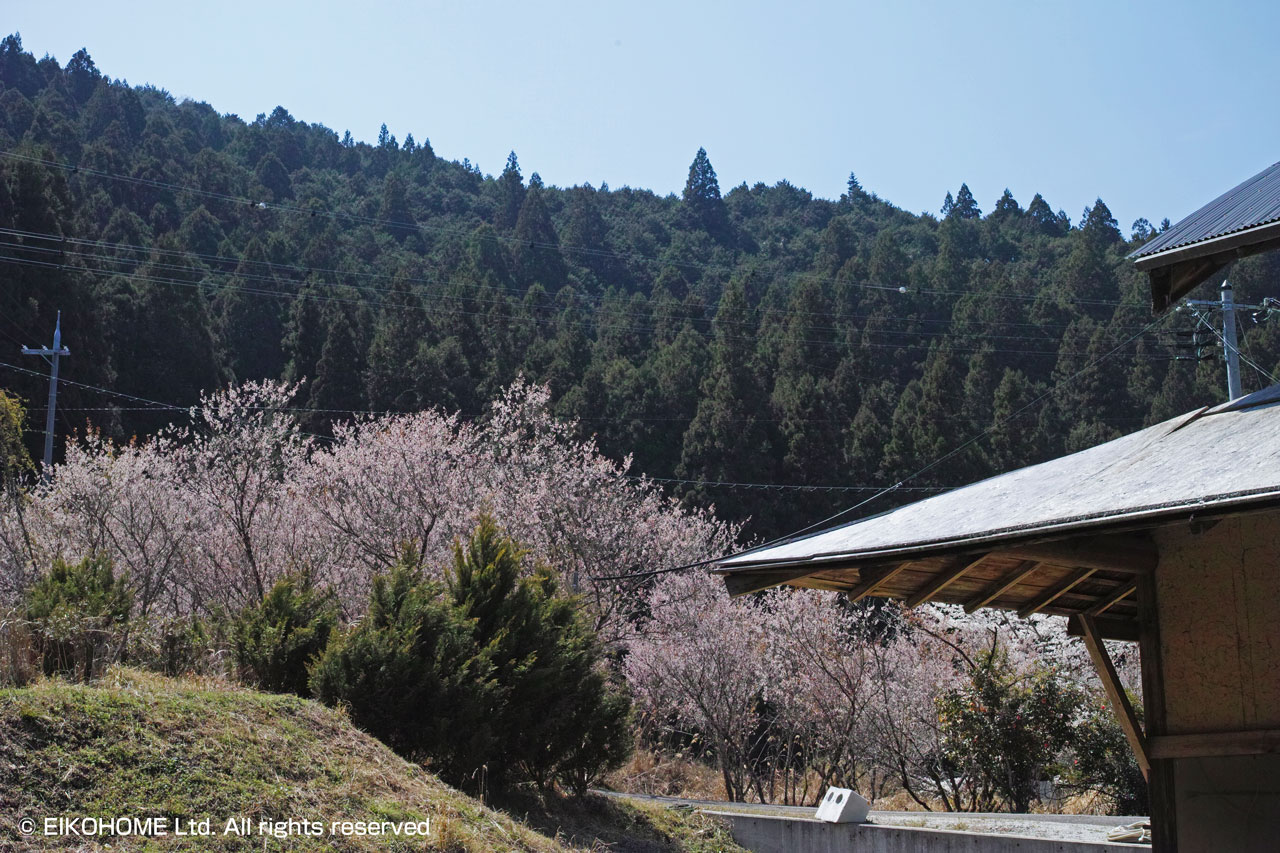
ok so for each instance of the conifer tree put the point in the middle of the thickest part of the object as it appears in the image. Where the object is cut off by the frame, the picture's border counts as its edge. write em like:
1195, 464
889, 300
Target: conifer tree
701, 197
727, 439
408, 674
336, 388
83, 75
588, 235
537, 249
250, 322
1006, 206
390, 378
853, 190
1046, 221
511, 193
539, 653
966, 206
394, 211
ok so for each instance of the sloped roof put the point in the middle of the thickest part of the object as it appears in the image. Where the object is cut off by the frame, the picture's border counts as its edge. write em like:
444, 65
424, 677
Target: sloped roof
1251, 204
1242, 221
1204, 462
1222, 455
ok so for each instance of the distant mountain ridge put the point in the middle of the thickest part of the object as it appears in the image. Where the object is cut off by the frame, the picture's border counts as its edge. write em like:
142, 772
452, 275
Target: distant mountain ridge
727, 341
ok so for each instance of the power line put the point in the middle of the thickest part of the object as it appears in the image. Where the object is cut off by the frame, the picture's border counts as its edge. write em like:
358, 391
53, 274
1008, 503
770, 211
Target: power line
778, 486
154, 404
63, 242
534, 320
157, 406
1227, 345
382, 293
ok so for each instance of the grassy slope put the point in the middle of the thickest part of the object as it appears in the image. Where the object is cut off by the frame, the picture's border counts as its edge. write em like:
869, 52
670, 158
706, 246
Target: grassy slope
141, 745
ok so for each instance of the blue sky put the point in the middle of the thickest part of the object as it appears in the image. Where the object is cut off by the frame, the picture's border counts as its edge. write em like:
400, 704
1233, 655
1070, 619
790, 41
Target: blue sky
1155, 107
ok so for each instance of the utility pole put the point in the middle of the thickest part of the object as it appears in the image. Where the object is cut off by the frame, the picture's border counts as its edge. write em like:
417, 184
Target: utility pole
52, 356
1230, 352
1230, 348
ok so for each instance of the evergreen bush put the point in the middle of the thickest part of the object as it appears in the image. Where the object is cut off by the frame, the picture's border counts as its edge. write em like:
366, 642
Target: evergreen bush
79, 616
1103, 761
408, 675
492, 678
552, 714
276, 640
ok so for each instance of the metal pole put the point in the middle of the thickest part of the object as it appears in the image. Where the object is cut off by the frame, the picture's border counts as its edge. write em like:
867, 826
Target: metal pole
52, 355
1229, 349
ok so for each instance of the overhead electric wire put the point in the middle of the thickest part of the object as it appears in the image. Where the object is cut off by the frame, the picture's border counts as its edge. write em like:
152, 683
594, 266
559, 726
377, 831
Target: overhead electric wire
779, 486
1208, 325
158, 406
550, 321
597, 307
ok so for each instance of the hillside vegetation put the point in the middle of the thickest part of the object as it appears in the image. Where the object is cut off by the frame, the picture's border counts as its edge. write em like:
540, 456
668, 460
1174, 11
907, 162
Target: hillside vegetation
755, 336
141, 745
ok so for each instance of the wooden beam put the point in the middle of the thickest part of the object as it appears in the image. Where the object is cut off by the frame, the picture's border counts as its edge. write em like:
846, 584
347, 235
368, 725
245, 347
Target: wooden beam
1216, 744
1126, 554
1108, 628
873, 579
1115, 694
1052, 595
1000, 587
745, 583
1112, 600
1160, 784
941, 581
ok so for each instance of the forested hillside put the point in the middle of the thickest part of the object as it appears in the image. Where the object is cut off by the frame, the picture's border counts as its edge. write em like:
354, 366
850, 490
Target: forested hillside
755, 336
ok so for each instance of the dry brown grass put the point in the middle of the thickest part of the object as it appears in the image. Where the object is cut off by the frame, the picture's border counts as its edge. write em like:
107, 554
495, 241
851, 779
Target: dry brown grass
18, 661
648, 772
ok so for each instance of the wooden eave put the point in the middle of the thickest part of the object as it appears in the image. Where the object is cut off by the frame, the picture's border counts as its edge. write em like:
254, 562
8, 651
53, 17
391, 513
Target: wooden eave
1175, 272
1089, 575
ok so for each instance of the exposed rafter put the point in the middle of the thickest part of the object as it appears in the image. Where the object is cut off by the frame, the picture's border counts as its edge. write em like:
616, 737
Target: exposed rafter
941, 581
873, 579
1105, 604
1053, 594
1014, 577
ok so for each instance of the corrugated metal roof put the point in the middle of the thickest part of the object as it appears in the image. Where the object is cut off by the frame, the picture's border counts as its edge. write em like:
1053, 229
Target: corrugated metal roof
1209, 459
1253, 203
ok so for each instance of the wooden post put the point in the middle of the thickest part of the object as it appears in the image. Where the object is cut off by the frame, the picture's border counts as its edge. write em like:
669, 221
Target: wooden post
1115, 693
1164, 826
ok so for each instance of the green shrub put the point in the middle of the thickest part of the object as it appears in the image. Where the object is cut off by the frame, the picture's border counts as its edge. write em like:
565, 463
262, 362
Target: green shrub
1103, 761
1003, 732
407, 673
542, 656
492, 679
276, 640
79, 616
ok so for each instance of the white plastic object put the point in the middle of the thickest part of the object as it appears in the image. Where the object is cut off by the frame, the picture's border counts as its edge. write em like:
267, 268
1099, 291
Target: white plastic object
842, 805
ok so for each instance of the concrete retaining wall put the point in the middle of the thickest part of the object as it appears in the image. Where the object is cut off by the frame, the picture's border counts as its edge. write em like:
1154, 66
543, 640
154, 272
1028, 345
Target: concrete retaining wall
766, 834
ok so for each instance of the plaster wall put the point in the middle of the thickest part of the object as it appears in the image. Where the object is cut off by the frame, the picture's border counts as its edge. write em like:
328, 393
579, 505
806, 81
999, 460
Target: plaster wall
1218, 599
1218, 605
